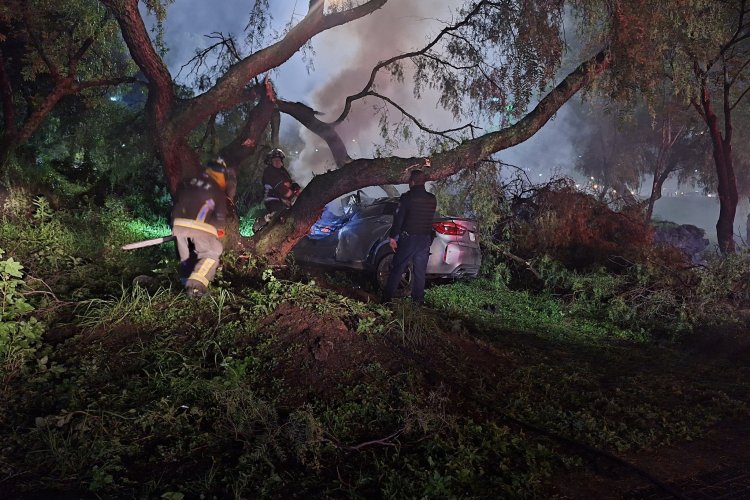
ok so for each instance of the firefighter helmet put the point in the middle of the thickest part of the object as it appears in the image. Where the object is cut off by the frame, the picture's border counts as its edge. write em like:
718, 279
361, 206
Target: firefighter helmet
274, 153
218, 164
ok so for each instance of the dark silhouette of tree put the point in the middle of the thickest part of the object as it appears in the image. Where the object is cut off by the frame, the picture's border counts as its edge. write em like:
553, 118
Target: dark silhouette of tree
50, 51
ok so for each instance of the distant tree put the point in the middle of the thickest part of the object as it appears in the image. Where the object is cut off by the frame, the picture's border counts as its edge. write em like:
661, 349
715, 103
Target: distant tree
628, 146
607, 155
673, 143
702, 47
50, 51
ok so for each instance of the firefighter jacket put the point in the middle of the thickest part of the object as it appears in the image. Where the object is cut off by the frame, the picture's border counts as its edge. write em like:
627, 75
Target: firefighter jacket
277, 184
415, 214
200, 204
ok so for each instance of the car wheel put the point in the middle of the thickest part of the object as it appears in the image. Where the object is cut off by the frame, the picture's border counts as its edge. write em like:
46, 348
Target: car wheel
382, 271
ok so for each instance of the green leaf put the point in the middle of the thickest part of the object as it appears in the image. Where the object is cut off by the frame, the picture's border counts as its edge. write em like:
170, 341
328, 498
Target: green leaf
11, 268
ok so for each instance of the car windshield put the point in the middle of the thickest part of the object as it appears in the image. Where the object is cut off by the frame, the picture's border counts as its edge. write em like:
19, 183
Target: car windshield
353, 206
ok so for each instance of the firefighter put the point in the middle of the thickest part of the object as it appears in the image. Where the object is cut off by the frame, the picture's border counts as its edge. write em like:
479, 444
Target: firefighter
198, 222
412, 225
278, 187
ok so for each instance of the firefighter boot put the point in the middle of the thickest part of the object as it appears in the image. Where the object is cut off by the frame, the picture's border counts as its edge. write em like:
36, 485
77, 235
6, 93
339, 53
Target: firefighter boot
195, 289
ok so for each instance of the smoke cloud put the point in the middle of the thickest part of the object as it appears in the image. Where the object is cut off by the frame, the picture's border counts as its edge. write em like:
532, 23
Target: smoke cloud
396, 28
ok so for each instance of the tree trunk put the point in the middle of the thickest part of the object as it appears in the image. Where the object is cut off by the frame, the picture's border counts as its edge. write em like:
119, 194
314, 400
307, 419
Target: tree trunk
728, 199
727, 185
179, 161
656, 188
7, 147
661, 174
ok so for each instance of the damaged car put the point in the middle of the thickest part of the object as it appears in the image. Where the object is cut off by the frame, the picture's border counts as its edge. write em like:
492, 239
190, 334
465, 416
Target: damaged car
356, 239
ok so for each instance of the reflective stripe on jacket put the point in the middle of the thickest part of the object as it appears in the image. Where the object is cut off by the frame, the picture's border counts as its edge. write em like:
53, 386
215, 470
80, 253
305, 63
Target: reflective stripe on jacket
194, 224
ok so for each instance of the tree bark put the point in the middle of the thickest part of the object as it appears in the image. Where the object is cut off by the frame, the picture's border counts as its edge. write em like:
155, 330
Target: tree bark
256, 124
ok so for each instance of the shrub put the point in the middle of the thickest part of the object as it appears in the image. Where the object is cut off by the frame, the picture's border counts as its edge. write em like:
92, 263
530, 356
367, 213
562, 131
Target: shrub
579, 231
19, 336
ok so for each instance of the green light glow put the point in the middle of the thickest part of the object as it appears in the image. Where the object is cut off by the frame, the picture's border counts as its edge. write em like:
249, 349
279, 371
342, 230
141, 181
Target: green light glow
149, 228
246, 226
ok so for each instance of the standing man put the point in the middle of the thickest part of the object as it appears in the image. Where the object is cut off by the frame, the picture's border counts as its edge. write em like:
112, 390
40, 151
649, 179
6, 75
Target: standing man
198, 221
412, 225
277, 184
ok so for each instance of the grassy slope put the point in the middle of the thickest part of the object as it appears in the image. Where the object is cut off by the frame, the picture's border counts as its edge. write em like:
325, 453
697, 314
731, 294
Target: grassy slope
275, 388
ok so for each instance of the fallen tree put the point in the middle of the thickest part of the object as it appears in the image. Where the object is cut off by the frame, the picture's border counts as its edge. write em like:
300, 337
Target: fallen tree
493, 58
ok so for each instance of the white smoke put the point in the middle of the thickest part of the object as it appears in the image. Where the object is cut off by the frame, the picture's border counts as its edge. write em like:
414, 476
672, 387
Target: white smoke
348, 54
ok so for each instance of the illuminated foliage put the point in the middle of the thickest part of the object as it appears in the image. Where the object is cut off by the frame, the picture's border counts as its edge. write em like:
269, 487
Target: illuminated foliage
48, 51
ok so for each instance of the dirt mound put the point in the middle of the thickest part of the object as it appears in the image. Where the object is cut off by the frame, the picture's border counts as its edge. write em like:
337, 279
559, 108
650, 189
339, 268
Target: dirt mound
318, 337
318, 354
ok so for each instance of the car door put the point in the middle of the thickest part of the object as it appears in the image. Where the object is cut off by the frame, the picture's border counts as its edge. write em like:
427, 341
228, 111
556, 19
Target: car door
319, 247
366, 228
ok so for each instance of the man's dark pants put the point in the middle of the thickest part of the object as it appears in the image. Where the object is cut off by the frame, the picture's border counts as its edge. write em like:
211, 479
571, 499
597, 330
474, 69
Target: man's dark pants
413, 248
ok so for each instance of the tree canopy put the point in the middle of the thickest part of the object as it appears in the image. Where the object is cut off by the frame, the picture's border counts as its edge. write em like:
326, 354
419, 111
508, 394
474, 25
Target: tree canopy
518, 60
49, 51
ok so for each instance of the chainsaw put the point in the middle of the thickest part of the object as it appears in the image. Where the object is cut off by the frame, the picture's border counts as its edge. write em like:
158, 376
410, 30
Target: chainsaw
147, 243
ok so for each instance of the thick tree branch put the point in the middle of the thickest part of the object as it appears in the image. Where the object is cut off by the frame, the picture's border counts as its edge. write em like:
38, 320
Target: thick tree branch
307, 117
224, 93
31, 123
246, 141
184, 123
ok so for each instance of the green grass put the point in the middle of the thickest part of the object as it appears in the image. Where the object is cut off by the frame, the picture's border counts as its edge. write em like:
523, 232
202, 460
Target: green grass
493, 307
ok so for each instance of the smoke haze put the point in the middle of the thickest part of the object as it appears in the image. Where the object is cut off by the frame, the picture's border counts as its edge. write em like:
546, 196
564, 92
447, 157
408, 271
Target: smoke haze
396, 28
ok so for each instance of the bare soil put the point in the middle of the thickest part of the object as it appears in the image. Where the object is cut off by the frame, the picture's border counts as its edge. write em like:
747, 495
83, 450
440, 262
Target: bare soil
716, 465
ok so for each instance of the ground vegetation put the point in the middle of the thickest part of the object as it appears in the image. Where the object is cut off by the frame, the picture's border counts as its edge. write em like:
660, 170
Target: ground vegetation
285, 381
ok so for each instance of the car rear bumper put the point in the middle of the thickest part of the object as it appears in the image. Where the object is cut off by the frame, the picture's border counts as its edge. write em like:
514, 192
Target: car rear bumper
454, 260
457, 273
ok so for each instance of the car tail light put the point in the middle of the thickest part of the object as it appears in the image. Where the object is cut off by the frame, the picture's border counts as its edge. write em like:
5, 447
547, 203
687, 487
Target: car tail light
450, 228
